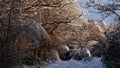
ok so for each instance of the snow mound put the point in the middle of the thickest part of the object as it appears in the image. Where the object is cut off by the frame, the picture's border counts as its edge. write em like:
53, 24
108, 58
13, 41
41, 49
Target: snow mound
94, 63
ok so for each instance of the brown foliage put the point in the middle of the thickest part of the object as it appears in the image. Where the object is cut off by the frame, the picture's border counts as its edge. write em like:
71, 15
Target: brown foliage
23, 22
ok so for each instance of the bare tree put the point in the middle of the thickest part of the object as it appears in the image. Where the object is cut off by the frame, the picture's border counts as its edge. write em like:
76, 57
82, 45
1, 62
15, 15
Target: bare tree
110, 9
8, 17
14, 29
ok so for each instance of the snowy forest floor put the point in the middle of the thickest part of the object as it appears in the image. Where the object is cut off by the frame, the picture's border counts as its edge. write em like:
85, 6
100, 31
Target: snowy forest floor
94, 63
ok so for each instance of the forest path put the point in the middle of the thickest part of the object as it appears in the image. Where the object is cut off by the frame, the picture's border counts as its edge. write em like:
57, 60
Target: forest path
94, 63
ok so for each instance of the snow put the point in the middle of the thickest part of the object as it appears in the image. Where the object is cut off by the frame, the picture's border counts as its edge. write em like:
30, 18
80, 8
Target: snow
94, 63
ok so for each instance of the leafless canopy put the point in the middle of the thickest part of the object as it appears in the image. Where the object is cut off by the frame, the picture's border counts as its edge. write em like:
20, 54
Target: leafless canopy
106, 8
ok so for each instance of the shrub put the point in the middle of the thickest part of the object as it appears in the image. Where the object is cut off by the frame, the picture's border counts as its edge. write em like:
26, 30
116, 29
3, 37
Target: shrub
112, 56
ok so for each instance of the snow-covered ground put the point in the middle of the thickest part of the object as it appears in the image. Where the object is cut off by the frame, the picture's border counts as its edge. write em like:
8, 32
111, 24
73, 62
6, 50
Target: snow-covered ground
94, 63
